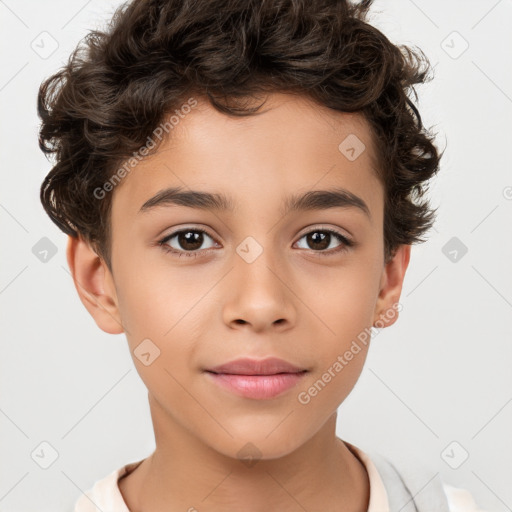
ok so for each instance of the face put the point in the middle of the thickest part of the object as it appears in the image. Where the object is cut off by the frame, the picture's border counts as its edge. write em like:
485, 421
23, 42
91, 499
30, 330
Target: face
197, 286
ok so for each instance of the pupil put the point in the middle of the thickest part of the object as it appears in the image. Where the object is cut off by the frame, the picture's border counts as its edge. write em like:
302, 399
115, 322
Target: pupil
323, 238
190, 240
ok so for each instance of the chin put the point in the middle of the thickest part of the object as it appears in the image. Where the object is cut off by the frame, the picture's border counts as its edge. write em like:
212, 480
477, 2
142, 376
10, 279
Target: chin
255, 444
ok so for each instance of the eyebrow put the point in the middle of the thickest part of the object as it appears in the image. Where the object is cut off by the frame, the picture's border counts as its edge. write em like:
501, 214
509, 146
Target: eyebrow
311, 200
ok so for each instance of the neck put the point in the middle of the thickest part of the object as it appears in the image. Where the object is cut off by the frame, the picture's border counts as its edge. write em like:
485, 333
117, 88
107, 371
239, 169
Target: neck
183, 473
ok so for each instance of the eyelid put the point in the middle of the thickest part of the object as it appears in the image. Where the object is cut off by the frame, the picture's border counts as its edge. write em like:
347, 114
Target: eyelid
323, 227
309, 230
164, 239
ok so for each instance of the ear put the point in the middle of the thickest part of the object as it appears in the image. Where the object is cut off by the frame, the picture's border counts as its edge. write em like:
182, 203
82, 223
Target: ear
386, 312
94, 284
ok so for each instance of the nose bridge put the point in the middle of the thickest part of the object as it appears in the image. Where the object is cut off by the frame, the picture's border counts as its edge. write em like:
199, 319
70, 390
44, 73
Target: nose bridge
258, 295
255, 264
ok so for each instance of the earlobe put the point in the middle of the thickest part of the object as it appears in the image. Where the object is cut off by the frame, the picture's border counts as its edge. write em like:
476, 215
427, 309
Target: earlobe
391, 287
94, 284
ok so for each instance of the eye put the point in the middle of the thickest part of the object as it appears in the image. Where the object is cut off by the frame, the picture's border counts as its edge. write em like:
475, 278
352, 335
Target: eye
189, 242
321, 239
186, 241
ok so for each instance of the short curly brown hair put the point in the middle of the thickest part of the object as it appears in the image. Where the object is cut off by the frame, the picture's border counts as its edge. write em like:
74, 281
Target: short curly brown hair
121, 83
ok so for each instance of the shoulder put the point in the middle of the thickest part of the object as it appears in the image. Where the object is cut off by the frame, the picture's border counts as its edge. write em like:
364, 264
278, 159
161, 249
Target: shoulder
460, 500
105, 493
392, 483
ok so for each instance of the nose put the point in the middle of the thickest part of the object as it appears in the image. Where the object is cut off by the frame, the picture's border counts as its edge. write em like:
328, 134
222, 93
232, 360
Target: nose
259, 296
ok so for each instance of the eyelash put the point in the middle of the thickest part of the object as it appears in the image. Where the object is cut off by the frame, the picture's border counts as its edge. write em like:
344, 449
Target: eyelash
346, 243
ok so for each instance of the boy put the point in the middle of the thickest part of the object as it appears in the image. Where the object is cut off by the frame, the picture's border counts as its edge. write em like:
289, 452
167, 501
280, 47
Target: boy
204, 150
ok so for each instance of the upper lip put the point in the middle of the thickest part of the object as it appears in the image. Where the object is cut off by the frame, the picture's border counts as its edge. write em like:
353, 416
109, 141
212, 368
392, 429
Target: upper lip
246, 366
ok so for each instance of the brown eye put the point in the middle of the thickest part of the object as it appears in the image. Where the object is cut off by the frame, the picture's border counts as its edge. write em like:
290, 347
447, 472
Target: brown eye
318, 240
321, 239
190, 240
187, 240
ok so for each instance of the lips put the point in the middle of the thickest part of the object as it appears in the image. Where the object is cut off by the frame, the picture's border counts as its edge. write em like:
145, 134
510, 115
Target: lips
246, 366
259, 380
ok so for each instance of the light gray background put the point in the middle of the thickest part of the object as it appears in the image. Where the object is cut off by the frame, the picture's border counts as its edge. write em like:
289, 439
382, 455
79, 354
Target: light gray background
440, 374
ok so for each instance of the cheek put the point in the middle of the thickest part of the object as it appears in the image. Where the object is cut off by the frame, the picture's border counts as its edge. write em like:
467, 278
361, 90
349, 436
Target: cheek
162, 319
345, 303
155, 301
343, 335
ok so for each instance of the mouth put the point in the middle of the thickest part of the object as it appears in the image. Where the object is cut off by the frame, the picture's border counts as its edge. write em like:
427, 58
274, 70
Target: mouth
257, 379
247, 366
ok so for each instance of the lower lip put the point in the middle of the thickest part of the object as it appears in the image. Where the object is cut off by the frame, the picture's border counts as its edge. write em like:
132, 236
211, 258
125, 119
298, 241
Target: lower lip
259, 387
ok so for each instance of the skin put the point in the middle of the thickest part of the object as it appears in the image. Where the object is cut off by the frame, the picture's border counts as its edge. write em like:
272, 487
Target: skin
295, 303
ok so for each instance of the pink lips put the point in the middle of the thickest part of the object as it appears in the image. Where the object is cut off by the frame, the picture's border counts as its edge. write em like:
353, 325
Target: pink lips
257, 379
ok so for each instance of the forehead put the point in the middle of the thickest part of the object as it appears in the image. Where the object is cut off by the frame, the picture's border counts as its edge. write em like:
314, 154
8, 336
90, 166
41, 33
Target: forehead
292, 145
